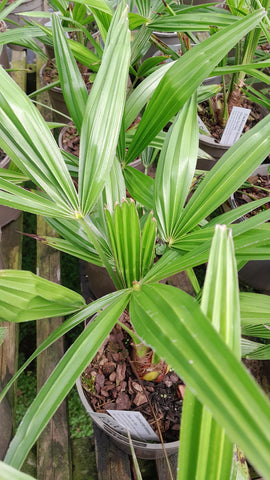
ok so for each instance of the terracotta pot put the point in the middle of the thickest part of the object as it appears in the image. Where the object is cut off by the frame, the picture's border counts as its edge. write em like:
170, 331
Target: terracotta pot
256, 273
7, 214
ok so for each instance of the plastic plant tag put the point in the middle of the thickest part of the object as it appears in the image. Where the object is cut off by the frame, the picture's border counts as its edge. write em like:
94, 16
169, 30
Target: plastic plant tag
106, 420
235, 125
202, 126
135, 423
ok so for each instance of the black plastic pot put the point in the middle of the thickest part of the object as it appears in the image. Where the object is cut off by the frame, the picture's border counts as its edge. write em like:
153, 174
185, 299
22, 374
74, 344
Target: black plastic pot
255, 273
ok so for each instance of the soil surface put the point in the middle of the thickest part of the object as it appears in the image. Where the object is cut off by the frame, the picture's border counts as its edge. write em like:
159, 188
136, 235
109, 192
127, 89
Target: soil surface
71, 140
2, 155
254, 190
50, 73
110, 382
217, 130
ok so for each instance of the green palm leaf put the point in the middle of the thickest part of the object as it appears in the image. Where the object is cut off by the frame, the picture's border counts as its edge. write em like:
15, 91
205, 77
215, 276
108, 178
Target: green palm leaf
99, 4
26, 138
6, 11
255, 308
15, 196
86, 312
259, 331
61, 381
255, 350
194, 20
26, 296
148, 244
124, 233
144, 7
206, 441
184, 77
7, 472
103, 117
142, 93
170, 322
175, 170
228, 174
140, 186
73, 86
251, 245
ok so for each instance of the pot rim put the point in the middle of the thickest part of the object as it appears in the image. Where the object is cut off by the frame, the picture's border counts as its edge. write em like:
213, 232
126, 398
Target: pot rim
142, 449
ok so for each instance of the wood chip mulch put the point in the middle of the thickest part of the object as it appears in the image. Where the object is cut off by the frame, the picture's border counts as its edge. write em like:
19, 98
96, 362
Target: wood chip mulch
110, 383
217, 131
249, 193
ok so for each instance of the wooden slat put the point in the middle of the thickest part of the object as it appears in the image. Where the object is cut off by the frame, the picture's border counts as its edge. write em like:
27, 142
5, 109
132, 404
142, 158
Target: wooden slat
18, 63
166, 472
10, 257
84, 459
112, 463
53, 453
53, 446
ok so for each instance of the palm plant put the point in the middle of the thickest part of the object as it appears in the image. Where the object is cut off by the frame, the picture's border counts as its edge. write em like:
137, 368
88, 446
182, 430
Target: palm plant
122, 238
242, 64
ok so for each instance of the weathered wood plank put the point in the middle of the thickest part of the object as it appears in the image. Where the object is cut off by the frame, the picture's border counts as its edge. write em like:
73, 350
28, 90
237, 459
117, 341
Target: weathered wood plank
53, 450
166, 472
18, 63
83, 459
112, 463
10, 257
5, 426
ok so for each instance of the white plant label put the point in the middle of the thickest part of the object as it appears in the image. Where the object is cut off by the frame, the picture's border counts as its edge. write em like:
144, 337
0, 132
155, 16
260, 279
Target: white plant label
202, 126
235, 125
136, 424
109, 421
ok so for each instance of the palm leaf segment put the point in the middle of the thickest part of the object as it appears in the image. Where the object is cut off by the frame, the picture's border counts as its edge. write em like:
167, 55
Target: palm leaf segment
132, 245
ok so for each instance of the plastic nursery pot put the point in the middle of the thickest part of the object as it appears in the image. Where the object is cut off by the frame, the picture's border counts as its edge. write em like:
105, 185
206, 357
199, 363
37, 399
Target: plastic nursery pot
144, 450
67, 139
256, 273
4, 61
26, 6
112, 396
209, 145
56, 98
7, 214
